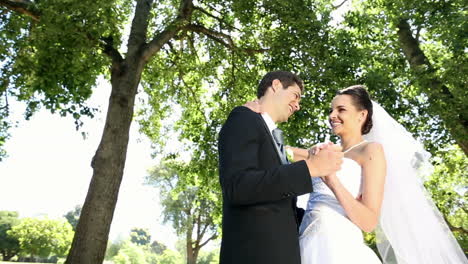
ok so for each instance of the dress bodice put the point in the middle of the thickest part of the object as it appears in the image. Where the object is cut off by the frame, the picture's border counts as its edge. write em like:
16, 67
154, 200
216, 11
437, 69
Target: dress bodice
350, 177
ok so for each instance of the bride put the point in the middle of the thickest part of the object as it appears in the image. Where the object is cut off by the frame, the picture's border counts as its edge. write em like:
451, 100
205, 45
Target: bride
377, 187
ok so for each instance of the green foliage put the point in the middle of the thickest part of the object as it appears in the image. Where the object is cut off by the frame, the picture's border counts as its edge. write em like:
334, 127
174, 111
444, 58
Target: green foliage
188, 205
9, 246
448, 187
157, 247
43, 237
73, 216
170, 257
113, 248
184, 204
54, 59
211, 257
140, 236
131, 253
432, 91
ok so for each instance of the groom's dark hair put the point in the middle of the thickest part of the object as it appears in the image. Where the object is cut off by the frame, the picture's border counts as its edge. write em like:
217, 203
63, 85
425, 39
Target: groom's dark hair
286, 78
361, 99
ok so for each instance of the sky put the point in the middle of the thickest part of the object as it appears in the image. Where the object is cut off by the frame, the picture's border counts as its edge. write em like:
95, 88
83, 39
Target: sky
47, 172
48, 169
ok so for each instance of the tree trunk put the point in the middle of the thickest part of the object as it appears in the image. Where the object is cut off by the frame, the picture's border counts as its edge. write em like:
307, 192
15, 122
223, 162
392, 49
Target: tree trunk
7, 257
453, 111
90, 241
92, 231
191, 254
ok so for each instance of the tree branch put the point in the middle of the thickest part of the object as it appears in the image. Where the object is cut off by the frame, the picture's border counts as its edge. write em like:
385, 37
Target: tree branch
222, 38
185, 14
220, 20
107, 44
214, 236
409, 44
338, 6
201, 233
24, 7
439, 94
198, 227
139, 28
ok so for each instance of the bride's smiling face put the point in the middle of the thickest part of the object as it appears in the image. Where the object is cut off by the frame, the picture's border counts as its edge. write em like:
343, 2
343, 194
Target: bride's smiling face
344, 116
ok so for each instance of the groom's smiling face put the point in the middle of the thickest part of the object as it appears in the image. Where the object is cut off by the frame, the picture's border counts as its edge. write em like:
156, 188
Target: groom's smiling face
287, 100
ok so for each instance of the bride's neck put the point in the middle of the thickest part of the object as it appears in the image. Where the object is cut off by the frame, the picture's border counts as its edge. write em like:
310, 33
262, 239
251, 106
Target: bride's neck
349, 141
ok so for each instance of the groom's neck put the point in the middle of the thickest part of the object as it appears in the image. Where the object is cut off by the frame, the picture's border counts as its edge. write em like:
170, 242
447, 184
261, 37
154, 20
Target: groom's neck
269, 108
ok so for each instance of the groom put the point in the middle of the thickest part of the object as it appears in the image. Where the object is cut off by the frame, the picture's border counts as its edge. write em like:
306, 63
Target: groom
259, 185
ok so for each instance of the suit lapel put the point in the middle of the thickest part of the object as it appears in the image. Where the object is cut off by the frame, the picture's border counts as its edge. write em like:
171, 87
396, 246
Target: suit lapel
272, 141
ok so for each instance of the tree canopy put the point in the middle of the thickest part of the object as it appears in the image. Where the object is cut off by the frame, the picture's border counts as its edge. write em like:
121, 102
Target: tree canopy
43, 237
192, 209
9, 245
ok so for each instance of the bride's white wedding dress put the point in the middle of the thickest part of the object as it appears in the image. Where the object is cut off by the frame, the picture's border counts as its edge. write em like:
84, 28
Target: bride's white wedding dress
327, 236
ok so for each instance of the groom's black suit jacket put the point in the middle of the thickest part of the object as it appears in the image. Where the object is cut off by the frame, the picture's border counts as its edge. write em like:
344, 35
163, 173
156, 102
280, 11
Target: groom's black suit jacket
259, 194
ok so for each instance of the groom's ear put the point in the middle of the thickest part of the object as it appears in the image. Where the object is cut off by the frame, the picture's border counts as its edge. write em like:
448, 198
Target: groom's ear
275, 85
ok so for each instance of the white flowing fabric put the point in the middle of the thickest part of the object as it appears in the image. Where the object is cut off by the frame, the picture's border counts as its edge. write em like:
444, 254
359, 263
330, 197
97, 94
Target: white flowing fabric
411, 230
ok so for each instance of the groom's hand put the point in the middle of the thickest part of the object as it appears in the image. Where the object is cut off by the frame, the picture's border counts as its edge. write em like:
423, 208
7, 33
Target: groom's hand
318, 147
327, 161
254, 106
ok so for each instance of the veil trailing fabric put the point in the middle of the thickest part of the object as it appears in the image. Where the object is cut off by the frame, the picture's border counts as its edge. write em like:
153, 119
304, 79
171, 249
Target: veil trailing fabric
411, 230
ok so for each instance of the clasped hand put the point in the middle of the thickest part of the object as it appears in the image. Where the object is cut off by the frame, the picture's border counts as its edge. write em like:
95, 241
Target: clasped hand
325, 159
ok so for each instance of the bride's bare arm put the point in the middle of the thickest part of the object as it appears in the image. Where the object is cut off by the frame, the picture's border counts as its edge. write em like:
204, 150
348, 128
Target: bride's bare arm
299, 154
364, 211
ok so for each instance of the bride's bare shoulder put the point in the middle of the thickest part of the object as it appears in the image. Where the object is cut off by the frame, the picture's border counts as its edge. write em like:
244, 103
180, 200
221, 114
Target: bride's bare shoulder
373, 150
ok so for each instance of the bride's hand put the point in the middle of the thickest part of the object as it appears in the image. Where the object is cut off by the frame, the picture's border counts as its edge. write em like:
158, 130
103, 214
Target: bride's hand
254, 106
318, 147
330, 180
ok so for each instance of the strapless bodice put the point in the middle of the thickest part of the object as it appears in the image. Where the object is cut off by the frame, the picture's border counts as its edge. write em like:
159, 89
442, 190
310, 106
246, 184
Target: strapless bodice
350, 177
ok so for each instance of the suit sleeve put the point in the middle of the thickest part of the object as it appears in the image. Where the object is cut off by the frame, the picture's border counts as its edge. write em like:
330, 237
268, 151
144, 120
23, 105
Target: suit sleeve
242, 180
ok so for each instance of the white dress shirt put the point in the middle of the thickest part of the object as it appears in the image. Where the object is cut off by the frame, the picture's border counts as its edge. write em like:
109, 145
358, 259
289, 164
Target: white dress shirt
271, 125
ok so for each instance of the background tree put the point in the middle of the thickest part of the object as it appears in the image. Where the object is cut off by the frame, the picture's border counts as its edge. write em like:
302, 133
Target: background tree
9, 246
417, 49
157, 247
113, 248
140, 236
170, 257
43, 237
131, 253
73, 216
211, 257
189, 211
445, 185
